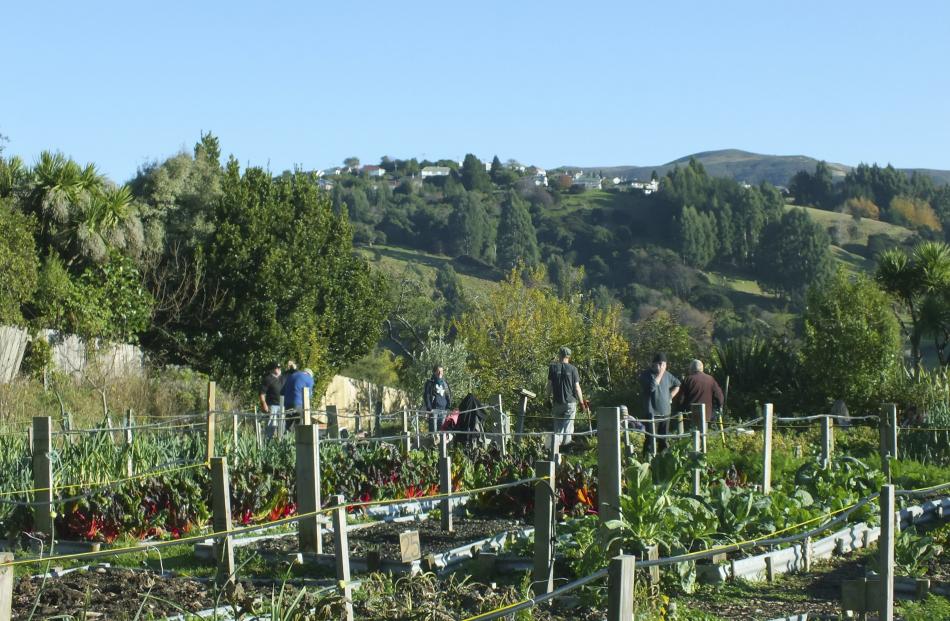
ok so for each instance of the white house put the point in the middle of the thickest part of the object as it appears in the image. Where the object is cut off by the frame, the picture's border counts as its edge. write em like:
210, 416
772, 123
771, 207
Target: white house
589, 182
435, 171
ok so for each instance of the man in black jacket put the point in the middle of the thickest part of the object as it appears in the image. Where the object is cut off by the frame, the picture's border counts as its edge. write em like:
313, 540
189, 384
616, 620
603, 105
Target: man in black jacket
436, 397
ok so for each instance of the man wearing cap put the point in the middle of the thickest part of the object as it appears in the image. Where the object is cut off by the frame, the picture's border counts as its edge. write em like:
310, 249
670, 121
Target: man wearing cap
269, 393
658, 387
564, 387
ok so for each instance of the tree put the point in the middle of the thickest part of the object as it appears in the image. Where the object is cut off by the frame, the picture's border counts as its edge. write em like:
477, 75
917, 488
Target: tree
516, 331
451, 355
815, 189
851, 341
474, 176
920, 283
471, 228
448, 286
352, 163
793, 254
289, 284
517, 238
18, 263
913, 212
697, 237
496, 169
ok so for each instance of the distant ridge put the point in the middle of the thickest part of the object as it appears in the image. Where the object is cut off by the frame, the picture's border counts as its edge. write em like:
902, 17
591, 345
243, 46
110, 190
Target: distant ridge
745, 166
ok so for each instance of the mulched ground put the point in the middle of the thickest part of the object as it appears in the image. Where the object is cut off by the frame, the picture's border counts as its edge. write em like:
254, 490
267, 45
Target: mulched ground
384, 537
113, 594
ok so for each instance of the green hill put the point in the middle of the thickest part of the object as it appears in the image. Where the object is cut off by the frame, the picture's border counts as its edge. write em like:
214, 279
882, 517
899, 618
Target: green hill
745, 166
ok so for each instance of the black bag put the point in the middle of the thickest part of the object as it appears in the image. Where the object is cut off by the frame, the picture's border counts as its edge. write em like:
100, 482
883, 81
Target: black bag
471, 420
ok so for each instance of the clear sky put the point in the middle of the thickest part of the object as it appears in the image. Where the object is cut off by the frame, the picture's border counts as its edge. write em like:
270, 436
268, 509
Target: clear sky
547, 83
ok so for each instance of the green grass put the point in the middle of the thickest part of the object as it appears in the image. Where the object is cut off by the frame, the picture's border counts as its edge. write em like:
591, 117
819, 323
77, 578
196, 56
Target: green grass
863, 227
394, 261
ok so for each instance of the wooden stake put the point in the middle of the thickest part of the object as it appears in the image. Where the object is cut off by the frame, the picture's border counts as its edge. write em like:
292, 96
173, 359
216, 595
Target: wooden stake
6, 587
333, 422
43, 474
767, 449
892, 430
221, 497
445, 487
305, 415
503, 424
406, 438
827, 441
620, 582
309, 530
697, 473
699, 421
210, 425
544, 499
608, 463
886, 550
341, 544
129, 466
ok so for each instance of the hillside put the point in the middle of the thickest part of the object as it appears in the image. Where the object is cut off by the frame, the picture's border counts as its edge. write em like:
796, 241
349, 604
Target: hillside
745, 166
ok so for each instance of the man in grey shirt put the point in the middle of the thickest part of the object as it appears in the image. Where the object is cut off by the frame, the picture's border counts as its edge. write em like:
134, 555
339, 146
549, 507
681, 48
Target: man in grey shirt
658, 387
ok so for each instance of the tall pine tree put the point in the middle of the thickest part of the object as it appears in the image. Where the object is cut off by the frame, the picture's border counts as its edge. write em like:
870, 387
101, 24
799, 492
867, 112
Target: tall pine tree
471, 228
517, 238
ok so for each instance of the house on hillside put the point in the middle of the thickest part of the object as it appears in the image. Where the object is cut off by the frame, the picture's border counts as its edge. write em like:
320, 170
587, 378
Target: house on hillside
647, 187
435, 171
589, 182
330, 172
373, 171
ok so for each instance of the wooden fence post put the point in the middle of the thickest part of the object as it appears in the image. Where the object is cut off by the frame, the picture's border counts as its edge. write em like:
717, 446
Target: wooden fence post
333, 422
29, 439
653, 441
503, 424
608, 463
210, 426
221, 497
68, 427
6, 587
43, 474
378, 416
620, 582
827, 441
281, 418
892, 430
235, 422
767, 449
257, 430
358, 421
305, 415
697, 473
886, 548
445, 484
309, 530
523, 408
544, 524
127, 435
342, 550
406, 438
699, 421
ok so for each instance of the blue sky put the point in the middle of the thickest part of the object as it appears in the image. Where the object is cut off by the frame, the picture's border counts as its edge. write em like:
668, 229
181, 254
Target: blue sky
551, 83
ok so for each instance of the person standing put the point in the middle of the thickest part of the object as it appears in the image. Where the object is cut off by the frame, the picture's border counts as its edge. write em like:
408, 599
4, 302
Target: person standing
272, 384
436, 398
293, 392
564, 388
698, 387
659, 387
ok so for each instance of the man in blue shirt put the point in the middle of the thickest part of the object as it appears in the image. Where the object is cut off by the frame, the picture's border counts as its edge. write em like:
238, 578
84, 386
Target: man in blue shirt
658, 387
293, 391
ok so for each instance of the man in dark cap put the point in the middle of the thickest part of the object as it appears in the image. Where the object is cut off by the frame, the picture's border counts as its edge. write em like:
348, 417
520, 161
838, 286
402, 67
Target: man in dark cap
564, 387
658, 387
269, 393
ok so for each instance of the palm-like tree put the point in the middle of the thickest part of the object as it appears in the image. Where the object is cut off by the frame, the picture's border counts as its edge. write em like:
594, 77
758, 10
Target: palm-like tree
921, 283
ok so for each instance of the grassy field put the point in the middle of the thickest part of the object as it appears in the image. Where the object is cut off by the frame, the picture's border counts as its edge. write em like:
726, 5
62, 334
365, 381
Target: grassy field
395, 261
862, 228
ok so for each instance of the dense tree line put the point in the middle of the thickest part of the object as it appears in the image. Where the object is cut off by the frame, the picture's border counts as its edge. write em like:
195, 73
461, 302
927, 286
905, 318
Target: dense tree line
878, 192
203, 264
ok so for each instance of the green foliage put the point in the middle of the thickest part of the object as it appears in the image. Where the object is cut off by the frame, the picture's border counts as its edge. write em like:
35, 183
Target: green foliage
451, 355
662, 333
813, 189
517, 239
913, 552
697, 237
792, 254
474, 175
287, 284
471, 228
852, 341
920, 282
18, 262
934, 607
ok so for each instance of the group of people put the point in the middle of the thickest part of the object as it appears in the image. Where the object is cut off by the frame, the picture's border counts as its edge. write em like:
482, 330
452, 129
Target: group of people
290, 386
662, 393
